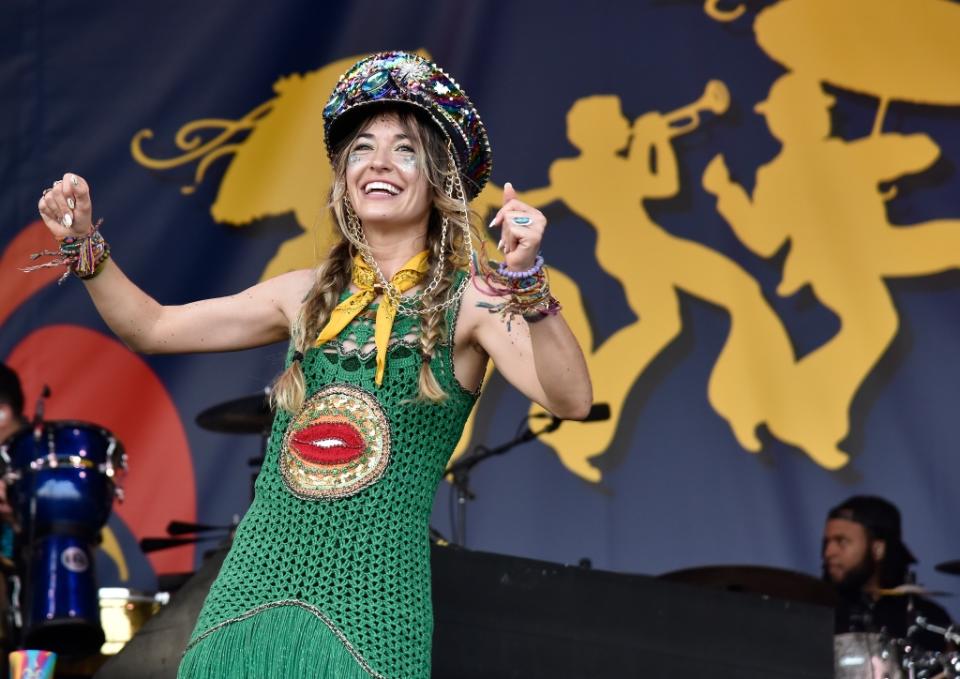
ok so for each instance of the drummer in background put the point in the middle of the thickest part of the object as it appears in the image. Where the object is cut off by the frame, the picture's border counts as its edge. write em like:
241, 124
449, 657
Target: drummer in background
11, 421
864, 557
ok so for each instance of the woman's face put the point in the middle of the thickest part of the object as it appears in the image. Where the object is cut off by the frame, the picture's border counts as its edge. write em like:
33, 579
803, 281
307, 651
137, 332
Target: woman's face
384, 179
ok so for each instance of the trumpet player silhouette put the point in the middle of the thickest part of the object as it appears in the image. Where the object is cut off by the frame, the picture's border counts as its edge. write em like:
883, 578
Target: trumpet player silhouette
608, 190
822, 195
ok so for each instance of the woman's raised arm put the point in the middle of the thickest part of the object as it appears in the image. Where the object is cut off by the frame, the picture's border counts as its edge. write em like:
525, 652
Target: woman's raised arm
259, 315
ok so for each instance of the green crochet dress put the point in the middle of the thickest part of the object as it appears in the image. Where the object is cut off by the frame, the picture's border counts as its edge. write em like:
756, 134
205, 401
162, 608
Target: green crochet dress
329, 573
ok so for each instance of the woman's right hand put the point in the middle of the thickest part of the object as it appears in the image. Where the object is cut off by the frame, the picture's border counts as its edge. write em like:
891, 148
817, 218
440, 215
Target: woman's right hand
66, 208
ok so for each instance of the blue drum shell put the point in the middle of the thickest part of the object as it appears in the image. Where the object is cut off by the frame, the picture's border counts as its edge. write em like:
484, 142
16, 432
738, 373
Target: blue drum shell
65, 471
62, 607
68, 499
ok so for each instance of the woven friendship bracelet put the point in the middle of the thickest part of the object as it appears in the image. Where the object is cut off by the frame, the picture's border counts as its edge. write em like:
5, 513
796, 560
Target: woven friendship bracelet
83, 256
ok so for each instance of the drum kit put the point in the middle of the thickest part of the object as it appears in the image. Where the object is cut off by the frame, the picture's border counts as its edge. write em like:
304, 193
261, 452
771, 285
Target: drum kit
62, 477
869, 654
877, 655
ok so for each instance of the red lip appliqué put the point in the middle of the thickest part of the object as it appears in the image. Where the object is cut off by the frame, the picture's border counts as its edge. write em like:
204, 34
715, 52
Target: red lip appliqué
337, 445
328, 443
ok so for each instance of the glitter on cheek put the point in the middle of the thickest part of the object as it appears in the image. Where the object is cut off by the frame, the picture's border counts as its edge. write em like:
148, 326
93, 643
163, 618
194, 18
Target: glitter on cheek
354, 158
408, 162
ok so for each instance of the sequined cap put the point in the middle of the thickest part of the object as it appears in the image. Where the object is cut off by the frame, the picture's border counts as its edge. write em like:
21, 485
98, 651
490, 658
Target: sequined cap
401, 77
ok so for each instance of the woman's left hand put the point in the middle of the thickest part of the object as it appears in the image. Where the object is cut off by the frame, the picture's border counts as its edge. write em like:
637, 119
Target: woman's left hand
522, 230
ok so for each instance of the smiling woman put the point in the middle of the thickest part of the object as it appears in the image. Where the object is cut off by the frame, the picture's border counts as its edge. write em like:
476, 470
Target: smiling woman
386, 183
328, 575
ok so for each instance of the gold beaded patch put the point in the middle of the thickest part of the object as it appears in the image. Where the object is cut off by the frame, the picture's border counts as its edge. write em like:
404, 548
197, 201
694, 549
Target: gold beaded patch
337, 445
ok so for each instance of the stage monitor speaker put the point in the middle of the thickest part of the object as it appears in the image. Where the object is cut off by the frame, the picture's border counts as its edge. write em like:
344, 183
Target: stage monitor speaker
506, 617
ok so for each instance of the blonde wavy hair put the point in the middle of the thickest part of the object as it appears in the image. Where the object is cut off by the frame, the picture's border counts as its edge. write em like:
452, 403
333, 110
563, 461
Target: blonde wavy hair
333, 275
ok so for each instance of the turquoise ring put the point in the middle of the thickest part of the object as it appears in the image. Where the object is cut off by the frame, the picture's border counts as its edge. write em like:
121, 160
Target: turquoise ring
521, 221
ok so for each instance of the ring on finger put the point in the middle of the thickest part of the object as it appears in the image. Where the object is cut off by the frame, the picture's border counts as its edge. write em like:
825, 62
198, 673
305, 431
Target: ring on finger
521, 220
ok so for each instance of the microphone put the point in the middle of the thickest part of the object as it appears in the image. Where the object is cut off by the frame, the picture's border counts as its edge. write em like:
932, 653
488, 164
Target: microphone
599, 412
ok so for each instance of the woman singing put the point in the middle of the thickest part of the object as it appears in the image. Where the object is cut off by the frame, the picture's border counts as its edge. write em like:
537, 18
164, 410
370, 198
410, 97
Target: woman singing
329, 574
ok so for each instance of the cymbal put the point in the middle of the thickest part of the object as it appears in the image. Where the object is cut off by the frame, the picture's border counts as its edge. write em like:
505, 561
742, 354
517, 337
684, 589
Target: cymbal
247, 415
777, 583
949, 567
917, 590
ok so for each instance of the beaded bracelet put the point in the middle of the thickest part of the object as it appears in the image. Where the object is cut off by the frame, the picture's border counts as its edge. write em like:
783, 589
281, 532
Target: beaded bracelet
83, 256
532, 271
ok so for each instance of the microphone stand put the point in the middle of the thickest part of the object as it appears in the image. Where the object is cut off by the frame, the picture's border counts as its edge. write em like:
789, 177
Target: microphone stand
460, 473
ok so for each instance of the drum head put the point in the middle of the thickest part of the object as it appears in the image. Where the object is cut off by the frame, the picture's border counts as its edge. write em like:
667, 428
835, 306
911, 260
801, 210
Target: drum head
85, 442
865, 655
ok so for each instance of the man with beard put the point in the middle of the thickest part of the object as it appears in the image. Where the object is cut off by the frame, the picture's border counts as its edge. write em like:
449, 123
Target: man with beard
865, 558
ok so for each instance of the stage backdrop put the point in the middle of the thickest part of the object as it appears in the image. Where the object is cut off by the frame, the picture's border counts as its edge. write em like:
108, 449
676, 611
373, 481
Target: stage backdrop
754, 230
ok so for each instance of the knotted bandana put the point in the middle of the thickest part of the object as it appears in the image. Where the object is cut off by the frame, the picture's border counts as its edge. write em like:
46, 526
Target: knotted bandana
365, 278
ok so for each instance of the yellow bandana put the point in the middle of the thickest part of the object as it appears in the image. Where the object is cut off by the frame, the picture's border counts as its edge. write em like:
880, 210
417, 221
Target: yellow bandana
365, 278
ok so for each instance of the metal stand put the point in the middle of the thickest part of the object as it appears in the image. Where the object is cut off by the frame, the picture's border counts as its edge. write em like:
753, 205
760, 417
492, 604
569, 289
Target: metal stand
460, 473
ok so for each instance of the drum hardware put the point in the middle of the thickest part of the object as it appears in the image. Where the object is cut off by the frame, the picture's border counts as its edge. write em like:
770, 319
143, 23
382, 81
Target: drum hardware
176, 528
948, 633
776, 583
913, 589
183, 528
16, 613
148, 545
913, 661
123, 612
920, 664
247, 415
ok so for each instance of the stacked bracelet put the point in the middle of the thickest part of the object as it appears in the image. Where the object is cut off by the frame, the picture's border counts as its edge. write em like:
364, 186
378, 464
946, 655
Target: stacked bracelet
524, 293
83, 256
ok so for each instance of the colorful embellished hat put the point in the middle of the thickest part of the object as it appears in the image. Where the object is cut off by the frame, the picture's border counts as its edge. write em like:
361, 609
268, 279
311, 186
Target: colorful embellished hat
401, 77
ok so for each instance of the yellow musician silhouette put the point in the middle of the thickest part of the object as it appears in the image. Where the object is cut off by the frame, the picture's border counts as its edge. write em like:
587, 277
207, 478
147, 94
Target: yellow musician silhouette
607, 189
822, 194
